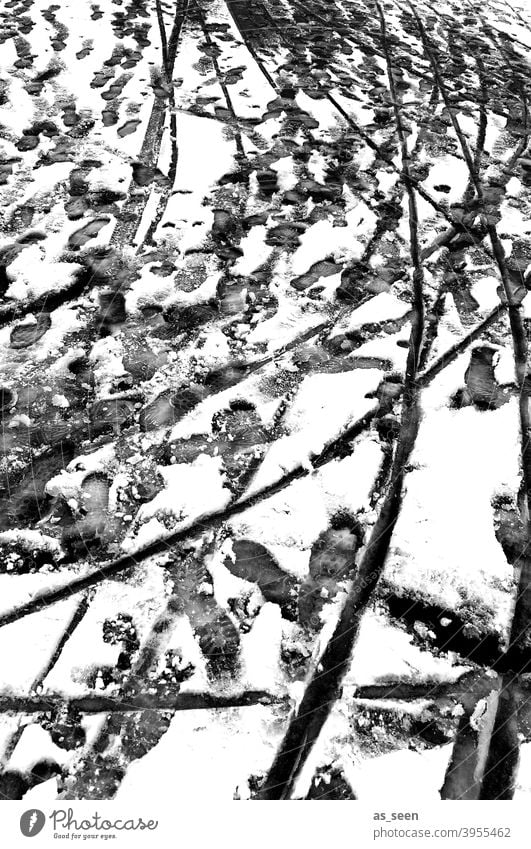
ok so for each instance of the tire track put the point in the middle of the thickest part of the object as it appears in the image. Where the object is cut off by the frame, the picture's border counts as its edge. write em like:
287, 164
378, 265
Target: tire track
323, 688
500, 747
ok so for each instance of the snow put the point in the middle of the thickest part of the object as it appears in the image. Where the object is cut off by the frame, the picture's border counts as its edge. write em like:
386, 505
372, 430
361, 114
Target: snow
289, 523
383, 307
216, 752
42, 794
86, 650
261, 650
449, 171
67, 484
325, 405
137, 90
250, 95
526, 303
64, 320
45, 179
346, 484
391, 348
255, 252
289, 322
189, 491
16, 120
495, 126
185, 487
484, 291
523, 776
106, 354
322, 110
466, 566
382, 778
361, 111
513, 221
322, 239
444, 548
19, 669
387, 180
384, 652
35, 744
205, 154
29, 539
514, 187
182, 639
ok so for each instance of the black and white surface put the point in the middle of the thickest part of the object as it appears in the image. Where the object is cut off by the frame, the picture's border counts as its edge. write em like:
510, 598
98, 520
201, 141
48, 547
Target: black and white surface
264, 272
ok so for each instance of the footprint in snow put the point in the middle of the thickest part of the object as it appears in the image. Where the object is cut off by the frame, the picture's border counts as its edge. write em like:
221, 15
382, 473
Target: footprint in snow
255, 564
80, 237
128, 128
24, 335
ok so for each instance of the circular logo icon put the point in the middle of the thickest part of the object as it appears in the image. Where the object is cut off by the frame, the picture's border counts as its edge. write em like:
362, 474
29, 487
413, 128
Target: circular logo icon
32, 822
